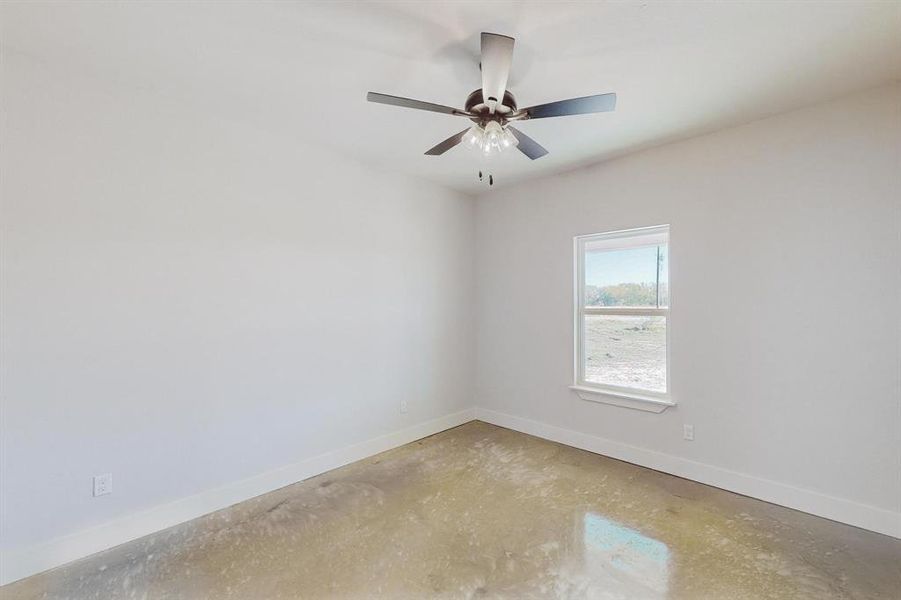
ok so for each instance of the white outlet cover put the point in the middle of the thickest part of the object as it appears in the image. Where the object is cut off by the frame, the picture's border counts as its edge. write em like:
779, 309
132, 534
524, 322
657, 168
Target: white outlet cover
103, 484
688, 432
403, 406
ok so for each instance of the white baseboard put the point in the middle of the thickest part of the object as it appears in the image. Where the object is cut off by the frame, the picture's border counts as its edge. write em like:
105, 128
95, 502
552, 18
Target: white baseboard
837, 509
57, 552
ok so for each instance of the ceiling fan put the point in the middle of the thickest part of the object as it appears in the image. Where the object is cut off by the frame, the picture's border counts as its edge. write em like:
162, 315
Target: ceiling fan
493, 107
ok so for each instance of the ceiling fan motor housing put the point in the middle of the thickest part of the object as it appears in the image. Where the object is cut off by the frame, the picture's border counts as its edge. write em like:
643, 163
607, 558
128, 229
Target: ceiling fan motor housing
475, 105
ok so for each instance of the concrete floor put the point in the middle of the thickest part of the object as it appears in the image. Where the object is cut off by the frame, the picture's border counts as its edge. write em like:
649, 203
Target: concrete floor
481, 511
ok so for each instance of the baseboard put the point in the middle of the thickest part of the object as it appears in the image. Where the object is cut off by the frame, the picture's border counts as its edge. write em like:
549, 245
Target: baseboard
837, 509
57, 552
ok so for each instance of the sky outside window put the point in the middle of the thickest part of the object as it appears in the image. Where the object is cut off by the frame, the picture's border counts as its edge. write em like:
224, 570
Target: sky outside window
626, 277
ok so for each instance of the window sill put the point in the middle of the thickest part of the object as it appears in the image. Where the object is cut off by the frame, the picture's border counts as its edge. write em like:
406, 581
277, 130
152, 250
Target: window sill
623, 399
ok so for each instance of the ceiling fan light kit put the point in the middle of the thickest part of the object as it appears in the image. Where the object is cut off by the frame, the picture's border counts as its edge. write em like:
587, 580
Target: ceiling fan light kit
490, 139
493, 107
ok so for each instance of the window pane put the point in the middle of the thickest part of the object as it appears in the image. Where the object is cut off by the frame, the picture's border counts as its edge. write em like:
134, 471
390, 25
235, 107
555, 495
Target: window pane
625, 351
623, 277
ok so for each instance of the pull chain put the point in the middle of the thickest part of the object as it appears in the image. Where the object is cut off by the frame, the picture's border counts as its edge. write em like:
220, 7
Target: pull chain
490, 178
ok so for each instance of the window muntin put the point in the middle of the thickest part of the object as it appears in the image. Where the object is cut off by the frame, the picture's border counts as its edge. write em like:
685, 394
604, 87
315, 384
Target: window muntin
622, 311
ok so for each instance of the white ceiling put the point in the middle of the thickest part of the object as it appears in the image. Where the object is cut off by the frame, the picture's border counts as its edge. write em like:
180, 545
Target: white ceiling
301, 68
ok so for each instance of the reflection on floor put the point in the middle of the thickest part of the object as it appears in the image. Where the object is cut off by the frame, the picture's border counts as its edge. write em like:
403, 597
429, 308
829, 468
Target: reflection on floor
624, 559
480, 511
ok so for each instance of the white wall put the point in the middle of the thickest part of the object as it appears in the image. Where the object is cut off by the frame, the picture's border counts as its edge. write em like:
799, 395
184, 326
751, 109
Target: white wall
188, 302
785, 245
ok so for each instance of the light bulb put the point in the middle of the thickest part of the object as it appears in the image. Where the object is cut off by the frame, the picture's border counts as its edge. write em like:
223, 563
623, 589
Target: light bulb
509, 140
473, 137
493, 134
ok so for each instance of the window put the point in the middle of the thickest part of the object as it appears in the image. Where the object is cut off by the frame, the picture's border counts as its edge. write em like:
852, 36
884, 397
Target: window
622, 309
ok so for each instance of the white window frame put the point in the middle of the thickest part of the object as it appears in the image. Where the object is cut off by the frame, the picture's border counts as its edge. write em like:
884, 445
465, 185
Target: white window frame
641, 399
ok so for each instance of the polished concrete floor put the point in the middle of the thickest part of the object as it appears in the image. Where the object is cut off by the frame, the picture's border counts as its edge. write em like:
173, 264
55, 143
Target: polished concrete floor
484, 512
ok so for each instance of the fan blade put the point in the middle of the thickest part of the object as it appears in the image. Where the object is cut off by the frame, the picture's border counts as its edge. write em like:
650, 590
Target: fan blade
497, 56
527, 145
447, 144
573, 106
410, 103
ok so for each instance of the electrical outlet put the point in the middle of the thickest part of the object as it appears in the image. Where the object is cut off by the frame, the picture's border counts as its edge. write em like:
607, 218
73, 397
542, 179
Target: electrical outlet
103, 484
403, 406
688, 432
